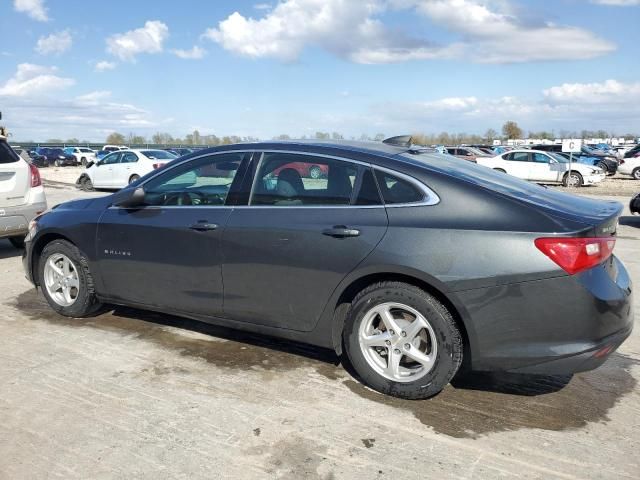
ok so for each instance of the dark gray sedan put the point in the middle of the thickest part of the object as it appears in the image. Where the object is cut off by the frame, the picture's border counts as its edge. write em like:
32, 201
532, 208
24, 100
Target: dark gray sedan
409, 264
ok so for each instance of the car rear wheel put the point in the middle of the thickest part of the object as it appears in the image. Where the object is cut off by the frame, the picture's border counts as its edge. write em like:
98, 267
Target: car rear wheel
636, 173
57, 163
573, 179
402, 341
603, 167
83, 161
17, 242
66, 281
134, 178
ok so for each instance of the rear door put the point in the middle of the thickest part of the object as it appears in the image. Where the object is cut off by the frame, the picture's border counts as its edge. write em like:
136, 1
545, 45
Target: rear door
14, 178
298, 237
518, 164
123, 170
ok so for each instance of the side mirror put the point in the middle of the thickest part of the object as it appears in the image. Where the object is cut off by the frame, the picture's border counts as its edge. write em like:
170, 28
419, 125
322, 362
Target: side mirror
129, 197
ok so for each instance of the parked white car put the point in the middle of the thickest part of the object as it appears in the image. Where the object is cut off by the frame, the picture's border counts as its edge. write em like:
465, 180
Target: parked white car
120, 168
544, 167
21, 195
630, 166
83, 155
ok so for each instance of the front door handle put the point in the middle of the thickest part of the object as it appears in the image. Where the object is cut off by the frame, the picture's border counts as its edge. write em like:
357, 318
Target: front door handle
203, 226
341, 231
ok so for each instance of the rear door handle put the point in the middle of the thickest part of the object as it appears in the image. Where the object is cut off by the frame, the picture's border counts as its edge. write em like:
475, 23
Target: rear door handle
203, 226
341, 231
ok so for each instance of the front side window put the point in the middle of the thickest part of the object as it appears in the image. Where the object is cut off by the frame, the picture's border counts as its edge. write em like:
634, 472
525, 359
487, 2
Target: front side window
540, 158
288, 179
202, 182
396, 190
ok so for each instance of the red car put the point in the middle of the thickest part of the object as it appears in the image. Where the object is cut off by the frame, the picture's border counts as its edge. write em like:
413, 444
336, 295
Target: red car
306, 170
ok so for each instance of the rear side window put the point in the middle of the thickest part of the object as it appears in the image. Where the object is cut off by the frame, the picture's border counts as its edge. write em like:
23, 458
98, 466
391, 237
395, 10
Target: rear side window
286, 179
6, 154
396, 190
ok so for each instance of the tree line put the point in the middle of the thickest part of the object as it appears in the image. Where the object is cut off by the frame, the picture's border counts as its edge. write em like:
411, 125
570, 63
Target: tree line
510, 131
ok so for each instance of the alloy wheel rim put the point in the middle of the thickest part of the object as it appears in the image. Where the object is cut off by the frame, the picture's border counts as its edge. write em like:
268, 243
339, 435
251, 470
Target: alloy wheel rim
398, 342
61, 280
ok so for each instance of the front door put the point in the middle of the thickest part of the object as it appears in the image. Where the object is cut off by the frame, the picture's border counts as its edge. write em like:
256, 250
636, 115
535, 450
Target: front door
287, 251
103, 171
166, 254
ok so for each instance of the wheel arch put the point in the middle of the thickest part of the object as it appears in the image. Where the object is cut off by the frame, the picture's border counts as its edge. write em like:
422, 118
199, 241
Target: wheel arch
430, 285
37, 248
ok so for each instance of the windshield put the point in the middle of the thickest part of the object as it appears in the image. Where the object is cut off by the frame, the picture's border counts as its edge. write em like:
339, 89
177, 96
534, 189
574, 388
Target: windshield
158, 154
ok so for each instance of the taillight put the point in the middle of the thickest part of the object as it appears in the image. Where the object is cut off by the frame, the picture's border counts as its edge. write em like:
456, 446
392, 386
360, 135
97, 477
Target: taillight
36, 181
621, 162
575, 255
158, 165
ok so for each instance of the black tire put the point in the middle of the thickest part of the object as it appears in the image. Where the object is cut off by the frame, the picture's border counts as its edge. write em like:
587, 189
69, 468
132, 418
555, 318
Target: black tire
578, 179
315, 172
17, 242
56, 163
449, 340
83, 161
636, 173
603, 167
500, 170
86, 303
86, 184
133, 178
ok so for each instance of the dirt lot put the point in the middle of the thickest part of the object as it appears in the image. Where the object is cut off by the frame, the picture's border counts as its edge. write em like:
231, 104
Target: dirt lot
137, 395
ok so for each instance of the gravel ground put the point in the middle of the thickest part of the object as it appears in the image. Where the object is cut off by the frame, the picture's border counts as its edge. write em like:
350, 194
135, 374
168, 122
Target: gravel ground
131, 394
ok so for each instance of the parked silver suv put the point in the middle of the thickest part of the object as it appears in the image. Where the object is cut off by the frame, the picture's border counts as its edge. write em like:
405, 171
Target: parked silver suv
21, 195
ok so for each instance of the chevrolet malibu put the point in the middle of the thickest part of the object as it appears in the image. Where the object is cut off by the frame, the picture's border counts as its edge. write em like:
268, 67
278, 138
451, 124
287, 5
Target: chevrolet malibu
408, 264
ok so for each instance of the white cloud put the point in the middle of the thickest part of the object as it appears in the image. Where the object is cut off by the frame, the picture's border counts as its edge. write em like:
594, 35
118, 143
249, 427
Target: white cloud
499, 36
617, 3
607, 92
34, 8
488, 31
55, 43
34, 80
147, 39
104, 65
346, 29
195, 53
263, 6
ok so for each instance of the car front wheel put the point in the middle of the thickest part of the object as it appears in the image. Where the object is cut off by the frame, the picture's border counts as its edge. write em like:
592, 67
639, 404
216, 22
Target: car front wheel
66, 281
636, 173
573, 179
134, 178
402, 341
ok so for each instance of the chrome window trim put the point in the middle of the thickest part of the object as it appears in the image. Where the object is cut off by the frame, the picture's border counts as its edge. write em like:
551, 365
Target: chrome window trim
430, 199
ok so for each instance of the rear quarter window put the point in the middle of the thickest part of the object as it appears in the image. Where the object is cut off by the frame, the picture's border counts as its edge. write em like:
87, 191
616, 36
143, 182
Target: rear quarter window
7, 155
396, 190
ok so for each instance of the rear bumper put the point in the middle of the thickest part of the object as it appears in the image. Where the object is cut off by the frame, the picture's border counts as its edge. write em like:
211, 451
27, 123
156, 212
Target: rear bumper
15, 220
560, 325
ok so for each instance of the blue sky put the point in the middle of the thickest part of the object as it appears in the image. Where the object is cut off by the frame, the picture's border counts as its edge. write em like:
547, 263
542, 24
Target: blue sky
71, 68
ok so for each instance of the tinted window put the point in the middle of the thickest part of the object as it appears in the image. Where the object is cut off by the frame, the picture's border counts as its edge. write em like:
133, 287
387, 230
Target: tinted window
158, 154
396, 190
368, 193
128, 157
540, 158
6, 154
204, 182
111, 159
518, 157
286, 179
